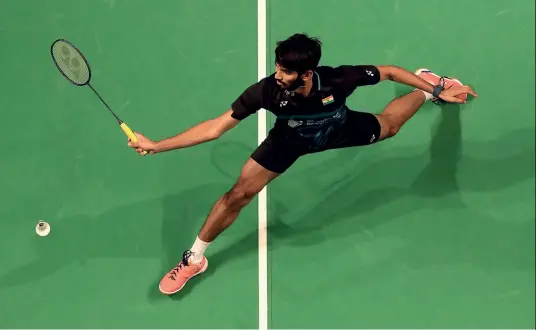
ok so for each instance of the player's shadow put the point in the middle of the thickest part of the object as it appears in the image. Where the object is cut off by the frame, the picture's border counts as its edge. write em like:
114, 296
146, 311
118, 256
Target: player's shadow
333, 215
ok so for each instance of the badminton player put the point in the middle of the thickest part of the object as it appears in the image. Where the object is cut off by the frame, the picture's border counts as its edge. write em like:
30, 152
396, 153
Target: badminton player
309, 102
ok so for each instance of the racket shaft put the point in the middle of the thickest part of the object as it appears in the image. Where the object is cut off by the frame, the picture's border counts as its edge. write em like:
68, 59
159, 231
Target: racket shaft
130, 134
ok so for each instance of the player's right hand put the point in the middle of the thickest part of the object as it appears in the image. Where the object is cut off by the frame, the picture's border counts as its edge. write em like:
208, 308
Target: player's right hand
143, 144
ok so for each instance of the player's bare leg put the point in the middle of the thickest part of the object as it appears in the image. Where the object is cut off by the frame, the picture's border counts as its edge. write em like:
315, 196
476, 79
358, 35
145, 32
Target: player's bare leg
401, 109
252, 180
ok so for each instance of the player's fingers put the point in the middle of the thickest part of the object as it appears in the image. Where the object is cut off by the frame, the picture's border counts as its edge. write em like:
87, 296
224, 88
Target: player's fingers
469, 90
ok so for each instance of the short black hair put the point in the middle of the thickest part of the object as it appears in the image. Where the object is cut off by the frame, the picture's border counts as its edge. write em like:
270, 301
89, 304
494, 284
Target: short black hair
299, 53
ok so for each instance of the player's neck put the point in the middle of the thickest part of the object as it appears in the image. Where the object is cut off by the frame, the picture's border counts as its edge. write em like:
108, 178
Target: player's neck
305, 90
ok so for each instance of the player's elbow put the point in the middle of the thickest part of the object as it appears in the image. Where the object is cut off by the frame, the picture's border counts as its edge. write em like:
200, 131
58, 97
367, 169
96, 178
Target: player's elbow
213, 134
387, 72
219, 127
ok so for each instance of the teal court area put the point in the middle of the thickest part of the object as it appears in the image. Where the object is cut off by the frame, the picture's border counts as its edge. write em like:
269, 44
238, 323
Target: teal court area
431, 229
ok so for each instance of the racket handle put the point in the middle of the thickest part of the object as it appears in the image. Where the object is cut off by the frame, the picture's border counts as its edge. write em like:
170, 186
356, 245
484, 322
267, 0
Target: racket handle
130, 134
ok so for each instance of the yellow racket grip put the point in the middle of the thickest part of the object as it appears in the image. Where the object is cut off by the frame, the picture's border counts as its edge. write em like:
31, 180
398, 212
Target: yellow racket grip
130, 134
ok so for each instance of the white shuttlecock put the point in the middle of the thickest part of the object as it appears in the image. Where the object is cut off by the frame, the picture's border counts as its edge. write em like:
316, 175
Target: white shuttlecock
42, 228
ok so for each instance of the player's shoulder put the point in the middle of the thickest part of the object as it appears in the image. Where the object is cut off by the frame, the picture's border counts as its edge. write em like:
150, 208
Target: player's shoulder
346, 71
338, 70
332, 72
325, 70
331, 75
259, 88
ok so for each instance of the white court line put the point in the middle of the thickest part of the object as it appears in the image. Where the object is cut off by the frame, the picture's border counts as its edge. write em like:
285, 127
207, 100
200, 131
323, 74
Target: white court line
262, 197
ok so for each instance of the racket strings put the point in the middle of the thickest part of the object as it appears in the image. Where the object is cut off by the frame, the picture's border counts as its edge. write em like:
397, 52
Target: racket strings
71, 63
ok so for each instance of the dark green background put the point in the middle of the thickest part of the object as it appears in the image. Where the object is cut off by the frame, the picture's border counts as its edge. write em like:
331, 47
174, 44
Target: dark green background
434, 228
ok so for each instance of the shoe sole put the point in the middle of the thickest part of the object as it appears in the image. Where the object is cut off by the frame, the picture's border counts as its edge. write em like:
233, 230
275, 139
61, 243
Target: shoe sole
179, 289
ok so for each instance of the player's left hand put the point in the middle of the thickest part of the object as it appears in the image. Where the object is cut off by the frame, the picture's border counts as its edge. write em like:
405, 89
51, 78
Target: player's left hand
457, 94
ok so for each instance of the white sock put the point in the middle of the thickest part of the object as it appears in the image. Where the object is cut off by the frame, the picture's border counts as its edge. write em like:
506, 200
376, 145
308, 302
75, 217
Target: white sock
198, 250
427, 95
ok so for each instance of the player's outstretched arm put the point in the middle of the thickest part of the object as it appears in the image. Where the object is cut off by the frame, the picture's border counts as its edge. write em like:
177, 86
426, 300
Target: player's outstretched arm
403, 76
203, 132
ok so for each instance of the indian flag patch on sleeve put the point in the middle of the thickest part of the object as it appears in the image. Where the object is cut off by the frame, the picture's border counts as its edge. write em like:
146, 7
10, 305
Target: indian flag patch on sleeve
327, 100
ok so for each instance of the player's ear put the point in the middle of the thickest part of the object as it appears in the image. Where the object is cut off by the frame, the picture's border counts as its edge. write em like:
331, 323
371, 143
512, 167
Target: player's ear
307, 75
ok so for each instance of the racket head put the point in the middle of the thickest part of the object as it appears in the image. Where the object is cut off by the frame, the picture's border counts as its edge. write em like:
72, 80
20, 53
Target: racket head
70, 62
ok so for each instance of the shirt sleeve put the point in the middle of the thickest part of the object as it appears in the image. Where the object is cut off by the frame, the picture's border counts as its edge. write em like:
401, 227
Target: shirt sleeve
250, 101
353, 76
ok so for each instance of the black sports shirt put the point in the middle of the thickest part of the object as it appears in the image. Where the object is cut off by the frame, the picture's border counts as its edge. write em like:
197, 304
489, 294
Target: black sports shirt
311, 116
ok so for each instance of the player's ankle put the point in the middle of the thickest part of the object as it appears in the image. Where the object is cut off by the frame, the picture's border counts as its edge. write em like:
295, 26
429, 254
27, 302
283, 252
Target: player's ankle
198, 250
428, 96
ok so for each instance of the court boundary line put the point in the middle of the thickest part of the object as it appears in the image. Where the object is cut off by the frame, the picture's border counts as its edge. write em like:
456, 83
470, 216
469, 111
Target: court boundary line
262, 197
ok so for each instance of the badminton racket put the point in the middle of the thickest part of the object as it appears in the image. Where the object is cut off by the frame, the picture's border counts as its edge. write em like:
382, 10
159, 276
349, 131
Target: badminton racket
74, 66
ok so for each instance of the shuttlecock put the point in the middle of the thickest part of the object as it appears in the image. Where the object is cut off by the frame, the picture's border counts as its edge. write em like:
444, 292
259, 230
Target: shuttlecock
42, 228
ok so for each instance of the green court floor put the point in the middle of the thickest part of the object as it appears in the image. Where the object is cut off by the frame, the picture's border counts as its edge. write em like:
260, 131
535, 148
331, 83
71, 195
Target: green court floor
431, 229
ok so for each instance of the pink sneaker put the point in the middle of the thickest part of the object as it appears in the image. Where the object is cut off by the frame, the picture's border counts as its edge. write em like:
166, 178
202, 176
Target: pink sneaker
175, 280
445, 82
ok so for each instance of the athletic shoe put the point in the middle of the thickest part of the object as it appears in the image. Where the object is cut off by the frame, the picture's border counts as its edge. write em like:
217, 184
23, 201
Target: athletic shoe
175, 280
444, 82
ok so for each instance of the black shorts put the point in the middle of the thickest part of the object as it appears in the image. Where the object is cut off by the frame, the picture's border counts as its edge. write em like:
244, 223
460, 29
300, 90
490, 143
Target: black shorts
283, 146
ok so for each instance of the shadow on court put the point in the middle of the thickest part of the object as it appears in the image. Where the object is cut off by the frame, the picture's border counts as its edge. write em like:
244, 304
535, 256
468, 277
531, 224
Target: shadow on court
437, 185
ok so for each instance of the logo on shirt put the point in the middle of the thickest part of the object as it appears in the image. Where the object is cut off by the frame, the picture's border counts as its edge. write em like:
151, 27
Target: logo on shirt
283, 103
290, 93
328, 100
294, 123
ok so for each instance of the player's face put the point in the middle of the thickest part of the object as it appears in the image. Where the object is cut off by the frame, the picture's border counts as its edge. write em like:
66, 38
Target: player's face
286, 79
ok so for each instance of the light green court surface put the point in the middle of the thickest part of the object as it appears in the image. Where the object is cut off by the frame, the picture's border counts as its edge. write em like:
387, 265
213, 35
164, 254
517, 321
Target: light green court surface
431, 229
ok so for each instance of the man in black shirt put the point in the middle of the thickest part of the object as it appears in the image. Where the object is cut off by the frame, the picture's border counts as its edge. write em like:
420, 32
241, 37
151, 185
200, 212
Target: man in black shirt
309, 102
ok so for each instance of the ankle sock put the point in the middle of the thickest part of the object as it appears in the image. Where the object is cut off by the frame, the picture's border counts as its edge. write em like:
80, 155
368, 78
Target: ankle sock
198, 250
427, 95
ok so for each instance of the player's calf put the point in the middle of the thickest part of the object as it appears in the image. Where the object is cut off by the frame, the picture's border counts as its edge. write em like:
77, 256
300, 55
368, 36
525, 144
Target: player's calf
227, 208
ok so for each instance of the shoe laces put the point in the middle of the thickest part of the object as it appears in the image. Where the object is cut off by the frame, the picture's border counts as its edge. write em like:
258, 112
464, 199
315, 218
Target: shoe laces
184, 262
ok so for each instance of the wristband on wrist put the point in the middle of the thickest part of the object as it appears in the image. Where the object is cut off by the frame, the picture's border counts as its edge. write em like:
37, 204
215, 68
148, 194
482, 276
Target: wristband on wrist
438, 88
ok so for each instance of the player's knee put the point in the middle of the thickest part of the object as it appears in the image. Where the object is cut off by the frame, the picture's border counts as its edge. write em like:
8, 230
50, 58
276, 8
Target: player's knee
239, 196
389, 126
393, 130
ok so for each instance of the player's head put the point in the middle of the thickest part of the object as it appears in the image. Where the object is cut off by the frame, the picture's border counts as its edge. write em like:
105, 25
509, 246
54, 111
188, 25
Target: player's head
295, 60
